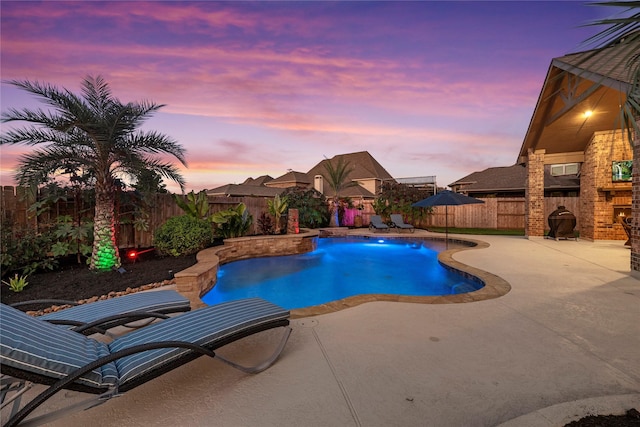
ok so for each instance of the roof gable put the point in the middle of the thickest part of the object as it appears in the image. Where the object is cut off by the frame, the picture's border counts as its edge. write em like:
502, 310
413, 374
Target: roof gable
261, 180
362, 166
595, 81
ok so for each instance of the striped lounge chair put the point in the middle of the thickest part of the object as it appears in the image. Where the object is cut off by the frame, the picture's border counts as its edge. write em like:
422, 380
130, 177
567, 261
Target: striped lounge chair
102, 315
35, 351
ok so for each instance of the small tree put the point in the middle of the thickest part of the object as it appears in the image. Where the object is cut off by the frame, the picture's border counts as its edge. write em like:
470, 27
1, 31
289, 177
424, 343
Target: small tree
277, 207
338, 181
98, 135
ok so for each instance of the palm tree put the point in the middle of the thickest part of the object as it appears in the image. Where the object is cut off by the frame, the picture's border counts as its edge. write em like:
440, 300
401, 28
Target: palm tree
94, 134
338, 181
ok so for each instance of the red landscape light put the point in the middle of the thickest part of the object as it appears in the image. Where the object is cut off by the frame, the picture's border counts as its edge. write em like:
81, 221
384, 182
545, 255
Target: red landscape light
133, 254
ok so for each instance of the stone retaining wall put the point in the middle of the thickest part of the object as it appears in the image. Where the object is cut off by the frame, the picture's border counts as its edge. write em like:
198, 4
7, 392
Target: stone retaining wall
198, 279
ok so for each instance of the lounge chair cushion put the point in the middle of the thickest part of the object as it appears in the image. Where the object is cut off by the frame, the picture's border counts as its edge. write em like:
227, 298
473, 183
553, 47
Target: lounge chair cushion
37, 352
398, 222
223, 322
166, 301
376, 222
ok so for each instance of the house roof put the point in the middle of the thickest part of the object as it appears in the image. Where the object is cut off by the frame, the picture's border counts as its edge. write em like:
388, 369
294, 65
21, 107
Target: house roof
594, 80
362, 166
240, 190
291, 177
261, 180
511, 179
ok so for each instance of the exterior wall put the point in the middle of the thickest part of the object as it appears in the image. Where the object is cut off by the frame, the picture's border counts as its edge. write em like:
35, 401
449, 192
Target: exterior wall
370, 185
635, 209
598, 194
534, 195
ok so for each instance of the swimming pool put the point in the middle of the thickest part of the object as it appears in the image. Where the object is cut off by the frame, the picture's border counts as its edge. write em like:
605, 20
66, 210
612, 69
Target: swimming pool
340, 268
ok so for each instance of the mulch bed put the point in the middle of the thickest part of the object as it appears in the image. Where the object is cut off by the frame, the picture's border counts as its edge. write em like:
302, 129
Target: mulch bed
75, 282
630, 419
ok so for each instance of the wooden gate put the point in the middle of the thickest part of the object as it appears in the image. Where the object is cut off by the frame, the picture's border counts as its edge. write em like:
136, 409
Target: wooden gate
510, 213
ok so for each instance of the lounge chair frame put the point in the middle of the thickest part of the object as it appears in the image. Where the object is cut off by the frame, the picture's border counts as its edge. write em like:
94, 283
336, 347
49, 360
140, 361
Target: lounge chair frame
102, 315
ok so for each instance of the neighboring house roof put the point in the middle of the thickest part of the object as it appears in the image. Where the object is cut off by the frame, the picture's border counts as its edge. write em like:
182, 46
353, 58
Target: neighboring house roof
594, 80
355, 192
261, 180
362, 165
510, 179
292, 177
240, 190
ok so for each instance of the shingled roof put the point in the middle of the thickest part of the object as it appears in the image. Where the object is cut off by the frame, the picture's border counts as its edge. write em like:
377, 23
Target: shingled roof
240, 190
362, 165
510, 179
261, 180
292, 177
609, 66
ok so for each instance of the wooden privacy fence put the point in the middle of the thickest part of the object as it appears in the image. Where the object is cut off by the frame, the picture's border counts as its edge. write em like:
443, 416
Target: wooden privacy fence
498, 213
15, 202
165, 207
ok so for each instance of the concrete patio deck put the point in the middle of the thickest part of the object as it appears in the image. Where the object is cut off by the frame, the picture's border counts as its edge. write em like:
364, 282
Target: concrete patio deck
563, 343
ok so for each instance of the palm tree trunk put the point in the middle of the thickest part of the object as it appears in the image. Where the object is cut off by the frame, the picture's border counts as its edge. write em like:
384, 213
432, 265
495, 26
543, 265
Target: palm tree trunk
335, 218
105, 254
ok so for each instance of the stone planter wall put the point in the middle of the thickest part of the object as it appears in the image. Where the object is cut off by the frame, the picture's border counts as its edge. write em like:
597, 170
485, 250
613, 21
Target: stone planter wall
198, 279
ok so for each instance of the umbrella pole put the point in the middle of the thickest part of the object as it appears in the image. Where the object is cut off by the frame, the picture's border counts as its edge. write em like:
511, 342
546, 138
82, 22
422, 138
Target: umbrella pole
446, 226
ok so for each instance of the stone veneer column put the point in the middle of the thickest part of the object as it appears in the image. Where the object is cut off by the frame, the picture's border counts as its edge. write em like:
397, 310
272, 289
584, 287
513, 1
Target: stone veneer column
534, 195
635, 209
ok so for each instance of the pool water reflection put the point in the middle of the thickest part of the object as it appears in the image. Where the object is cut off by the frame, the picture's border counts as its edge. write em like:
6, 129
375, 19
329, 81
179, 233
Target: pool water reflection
340, 268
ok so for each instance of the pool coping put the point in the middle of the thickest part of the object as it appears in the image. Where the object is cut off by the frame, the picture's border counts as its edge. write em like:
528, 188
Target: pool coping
494, 286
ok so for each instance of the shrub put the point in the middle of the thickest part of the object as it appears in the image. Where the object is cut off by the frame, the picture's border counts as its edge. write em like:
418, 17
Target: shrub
233, 222
313, 211
25, 251
183, 235
265, 224
399, 198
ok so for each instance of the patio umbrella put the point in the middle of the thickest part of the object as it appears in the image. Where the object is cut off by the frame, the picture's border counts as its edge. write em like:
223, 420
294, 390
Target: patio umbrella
446, 198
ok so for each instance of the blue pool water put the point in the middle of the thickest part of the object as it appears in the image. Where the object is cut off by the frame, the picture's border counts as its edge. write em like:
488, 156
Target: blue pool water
341, 268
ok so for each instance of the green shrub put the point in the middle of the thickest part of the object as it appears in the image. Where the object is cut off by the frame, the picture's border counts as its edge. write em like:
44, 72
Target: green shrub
25, 251
313, 211
183, 235
233, 222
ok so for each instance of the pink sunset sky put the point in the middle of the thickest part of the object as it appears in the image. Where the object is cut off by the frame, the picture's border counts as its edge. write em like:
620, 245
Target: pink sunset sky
255, 88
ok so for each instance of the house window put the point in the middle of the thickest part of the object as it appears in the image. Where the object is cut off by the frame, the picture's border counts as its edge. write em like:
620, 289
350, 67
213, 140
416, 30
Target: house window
565, 169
